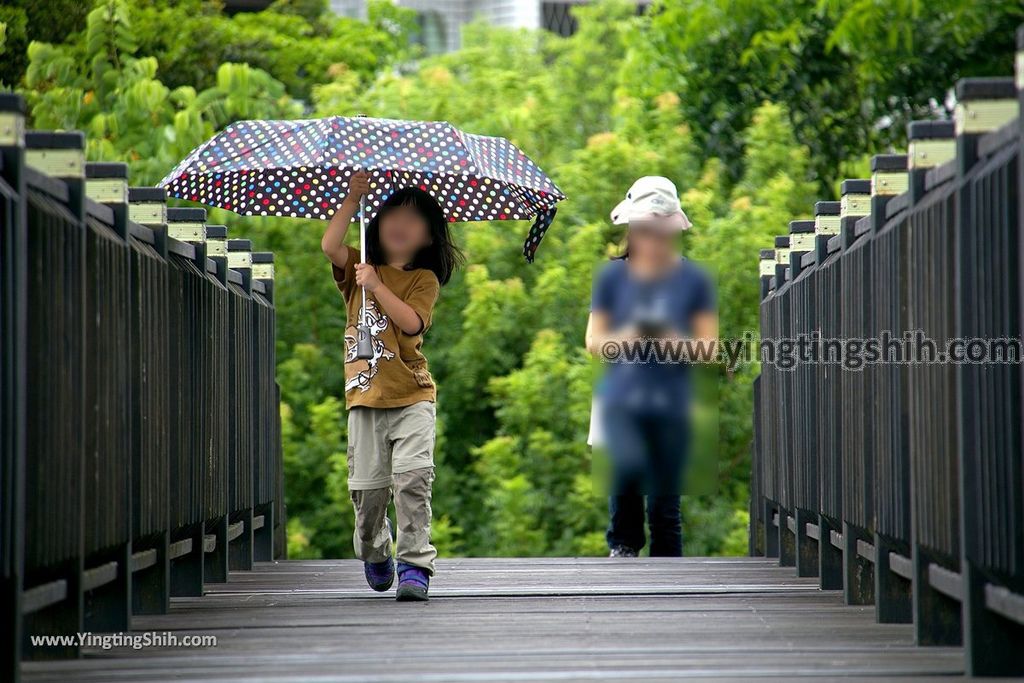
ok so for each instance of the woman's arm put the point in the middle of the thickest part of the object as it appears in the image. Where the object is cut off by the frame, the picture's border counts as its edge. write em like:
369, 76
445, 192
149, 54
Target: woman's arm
599, 333
597, 326
705, 333
333, 241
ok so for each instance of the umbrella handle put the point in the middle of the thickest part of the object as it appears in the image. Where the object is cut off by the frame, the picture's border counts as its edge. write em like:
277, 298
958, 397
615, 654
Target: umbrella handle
364, 345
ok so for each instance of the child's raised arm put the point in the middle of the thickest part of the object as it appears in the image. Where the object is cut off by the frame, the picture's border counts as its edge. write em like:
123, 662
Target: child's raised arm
333, 241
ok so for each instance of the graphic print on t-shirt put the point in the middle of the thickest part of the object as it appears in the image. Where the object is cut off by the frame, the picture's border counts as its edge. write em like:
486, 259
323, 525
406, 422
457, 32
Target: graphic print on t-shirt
366, 369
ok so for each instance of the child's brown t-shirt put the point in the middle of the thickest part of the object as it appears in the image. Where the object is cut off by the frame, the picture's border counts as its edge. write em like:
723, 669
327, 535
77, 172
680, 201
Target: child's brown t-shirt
397, 375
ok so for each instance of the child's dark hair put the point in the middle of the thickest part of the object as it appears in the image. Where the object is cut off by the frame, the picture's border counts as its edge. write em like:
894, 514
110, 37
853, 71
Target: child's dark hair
440, 256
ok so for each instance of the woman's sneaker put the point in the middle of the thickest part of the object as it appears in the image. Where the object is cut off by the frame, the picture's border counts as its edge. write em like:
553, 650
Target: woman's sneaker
622, 551
413, 583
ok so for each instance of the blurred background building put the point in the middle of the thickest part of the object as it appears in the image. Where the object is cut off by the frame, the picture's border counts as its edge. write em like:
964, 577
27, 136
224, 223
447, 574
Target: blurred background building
441, 21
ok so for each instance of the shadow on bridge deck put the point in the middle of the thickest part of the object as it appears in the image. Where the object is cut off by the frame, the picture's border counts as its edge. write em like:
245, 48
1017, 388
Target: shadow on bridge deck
519, 620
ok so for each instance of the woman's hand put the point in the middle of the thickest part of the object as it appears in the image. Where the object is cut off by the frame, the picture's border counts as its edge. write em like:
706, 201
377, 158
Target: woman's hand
366, 276
358, 185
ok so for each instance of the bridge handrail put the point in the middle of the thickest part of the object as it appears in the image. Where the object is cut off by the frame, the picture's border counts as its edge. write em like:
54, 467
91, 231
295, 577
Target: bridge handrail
910, 498
139, 420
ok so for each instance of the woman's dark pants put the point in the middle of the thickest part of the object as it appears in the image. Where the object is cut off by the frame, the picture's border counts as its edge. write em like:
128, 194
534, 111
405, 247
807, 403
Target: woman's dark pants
648, 453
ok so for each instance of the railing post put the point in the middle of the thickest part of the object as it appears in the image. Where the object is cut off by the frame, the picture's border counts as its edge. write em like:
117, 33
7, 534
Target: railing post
804, 408
936, 616
991, 641
13, 311
108, 607
766, 269
892, 527
62, 156
826, 226
830, 557
188, 531
240, 550
107, 183
858, 568
930, 144
786, 540
781, 259
152, 564
216, 568
766, 534
262, 271
854, 204
147, 207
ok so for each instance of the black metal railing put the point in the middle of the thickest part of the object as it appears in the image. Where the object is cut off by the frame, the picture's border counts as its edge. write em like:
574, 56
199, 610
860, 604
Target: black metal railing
140, 426
885, 464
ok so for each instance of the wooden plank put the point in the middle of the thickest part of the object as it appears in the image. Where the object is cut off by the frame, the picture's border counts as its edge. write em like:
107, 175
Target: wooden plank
235, 530
99, 576
1005, 602
258, 520
144, 559
209, 543
791, 523
901, 565
507, 619
866, 550
38, 597
836, 539
947, 582
180, 548
813, 531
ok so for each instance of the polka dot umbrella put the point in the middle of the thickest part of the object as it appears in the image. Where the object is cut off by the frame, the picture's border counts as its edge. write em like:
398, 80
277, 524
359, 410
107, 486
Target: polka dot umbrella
301, 168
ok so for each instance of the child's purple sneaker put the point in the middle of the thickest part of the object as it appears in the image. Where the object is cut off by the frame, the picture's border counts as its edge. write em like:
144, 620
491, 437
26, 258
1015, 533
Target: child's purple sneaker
380, 575
413, 583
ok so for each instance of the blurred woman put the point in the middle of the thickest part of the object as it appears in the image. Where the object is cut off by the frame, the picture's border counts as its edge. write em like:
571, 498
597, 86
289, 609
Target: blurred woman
652, 314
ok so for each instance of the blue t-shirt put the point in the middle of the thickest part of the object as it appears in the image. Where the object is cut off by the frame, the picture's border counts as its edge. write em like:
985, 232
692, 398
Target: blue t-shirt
668, 302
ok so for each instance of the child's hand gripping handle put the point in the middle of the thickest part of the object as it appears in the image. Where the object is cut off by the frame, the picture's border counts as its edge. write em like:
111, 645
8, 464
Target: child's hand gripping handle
364, 345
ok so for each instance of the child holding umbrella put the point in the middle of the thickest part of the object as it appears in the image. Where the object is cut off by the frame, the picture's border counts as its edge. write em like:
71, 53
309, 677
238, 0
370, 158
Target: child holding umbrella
391, 396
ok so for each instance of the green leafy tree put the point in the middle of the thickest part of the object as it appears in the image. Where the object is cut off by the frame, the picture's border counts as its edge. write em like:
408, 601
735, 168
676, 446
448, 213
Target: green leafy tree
753, 108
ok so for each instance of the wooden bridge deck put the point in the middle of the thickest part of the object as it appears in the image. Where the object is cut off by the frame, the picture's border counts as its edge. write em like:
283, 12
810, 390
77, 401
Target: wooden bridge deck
520, 620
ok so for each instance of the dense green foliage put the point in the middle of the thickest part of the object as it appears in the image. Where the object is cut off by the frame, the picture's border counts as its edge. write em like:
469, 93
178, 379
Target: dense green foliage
753, 107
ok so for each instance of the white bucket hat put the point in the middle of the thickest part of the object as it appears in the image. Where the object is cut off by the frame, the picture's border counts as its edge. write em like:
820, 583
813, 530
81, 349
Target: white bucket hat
652, 199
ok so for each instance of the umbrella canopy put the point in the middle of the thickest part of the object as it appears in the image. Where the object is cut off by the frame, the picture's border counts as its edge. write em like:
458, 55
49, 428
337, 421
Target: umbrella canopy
301, 168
